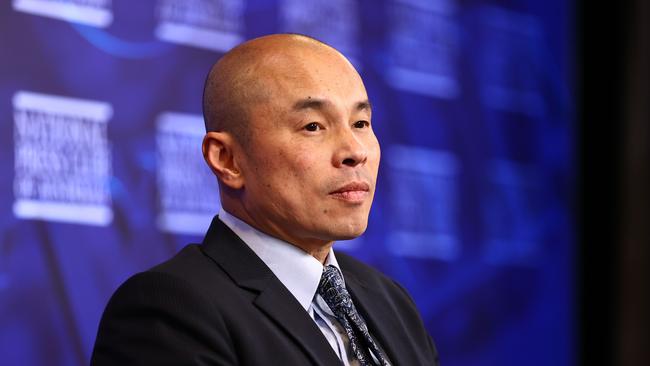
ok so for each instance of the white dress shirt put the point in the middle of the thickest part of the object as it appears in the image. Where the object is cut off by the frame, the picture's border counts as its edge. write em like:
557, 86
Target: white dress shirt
300, 273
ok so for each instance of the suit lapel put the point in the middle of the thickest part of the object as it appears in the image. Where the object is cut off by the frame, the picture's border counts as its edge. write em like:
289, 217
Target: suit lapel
289, 316
379, 317
249, 272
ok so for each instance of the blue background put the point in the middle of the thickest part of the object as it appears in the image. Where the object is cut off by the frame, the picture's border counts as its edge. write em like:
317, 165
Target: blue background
474, 210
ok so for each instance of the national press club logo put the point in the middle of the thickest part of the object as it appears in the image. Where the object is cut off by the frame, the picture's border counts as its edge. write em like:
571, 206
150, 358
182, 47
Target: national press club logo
424, 42
97, 13
512, 49
212, 25
62, 159
188, 196
216, 25
423, 203
335, 22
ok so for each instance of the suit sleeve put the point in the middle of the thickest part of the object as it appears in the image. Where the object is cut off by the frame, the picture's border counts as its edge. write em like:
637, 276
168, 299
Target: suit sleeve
156, 318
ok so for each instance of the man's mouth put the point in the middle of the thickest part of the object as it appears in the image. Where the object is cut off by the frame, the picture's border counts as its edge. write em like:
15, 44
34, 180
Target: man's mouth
354, 192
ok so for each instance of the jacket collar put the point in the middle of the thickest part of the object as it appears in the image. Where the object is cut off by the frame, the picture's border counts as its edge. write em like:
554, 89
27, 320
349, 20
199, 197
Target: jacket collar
298, 271
249, 272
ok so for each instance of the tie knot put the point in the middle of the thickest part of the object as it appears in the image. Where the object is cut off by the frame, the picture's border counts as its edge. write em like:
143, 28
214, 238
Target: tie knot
333, 291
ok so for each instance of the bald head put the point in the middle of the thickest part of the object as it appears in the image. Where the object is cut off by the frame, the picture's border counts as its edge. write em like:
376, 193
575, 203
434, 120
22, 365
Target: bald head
241, 79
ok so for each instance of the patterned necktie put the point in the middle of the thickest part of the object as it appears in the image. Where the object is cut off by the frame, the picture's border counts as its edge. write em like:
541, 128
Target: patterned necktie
333, 291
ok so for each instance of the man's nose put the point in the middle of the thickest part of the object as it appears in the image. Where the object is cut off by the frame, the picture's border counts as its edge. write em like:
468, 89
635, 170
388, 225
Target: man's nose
350, 150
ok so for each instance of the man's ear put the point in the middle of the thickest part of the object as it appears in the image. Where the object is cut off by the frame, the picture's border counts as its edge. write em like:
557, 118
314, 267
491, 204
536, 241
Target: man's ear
219, 151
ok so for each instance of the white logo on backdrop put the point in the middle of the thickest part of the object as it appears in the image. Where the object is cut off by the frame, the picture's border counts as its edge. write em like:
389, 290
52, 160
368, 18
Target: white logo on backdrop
512, 49
334, 22
96, 13
62, 159
213, 25
187, 189
423, 45
513, 213
423, 203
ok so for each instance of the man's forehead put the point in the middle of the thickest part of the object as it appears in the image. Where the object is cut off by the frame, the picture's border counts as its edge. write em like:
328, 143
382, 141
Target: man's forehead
283, 43
289, 69
312, 81
274, 49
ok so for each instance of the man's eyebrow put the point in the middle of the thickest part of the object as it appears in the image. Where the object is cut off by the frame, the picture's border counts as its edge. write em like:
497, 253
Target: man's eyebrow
365, 105
311, 103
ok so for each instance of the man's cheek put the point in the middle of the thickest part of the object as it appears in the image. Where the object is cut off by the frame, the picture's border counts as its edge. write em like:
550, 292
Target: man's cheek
303, 160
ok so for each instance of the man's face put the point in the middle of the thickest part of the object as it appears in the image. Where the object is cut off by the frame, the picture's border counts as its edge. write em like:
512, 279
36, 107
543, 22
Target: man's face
312, 159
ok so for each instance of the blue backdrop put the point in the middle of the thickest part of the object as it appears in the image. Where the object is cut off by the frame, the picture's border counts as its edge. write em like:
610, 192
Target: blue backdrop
102, 174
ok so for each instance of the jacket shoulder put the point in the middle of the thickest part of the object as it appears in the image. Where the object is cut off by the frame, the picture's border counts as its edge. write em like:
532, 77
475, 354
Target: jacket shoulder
363, 272
371, 278
164, 316
393, 299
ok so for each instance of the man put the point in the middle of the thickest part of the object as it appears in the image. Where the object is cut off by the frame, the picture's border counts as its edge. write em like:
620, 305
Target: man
290, 139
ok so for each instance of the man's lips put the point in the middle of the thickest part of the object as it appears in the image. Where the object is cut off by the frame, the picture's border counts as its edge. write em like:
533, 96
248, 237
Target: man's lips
352, 192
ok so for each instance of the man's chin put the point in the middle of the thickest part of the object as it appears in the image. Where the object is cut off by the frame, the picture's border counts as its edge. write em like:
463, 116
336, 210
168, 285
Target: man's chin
346, 228
351, 233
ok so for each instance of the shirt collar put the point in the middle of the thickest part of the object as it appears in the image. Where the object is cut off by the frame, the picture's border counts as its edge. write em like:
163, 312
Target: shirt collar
298, 271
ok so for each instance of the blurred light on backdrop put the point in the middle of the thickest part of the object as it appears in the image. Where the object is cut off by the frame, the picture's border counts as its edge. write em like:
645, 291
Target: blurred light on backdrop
100, 103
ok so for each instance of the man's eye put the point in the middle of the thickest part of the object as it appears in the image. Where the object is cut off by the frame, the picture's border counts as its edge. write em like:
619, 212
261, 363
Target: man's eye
312, 127
361, 124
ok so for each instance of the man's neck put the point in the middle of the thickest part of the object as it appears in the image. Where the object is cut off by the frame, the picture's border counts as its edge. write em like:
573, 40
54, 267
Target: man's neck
318, 249
320, 253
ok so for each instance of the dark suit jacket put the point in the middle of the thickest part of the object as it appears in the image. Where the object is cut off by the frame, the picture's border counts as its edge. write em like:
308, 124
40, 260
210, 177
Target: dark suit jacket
219, 304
